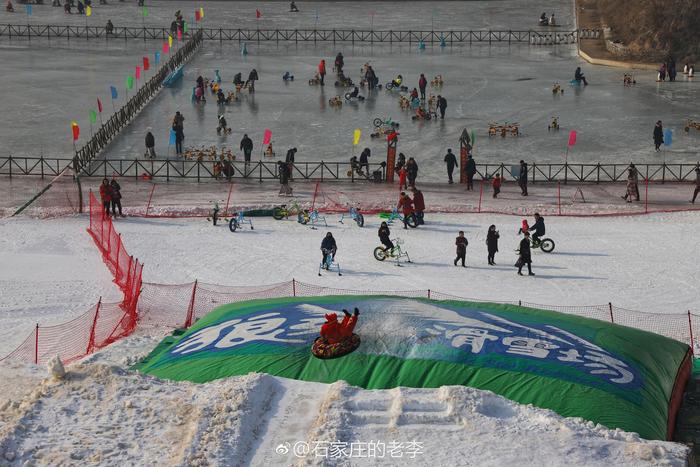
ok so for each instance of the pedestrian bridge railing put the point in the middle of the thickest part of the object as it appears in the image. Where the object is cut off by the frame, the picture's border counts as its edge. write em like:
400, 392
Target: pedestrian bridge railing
203, 170
353, 36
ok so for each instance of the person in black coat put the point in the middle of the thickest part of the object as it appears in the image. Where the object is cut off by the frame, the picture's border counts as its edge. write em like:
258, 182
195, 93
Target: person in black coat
289, 159
522, 178
384, 237
116, 197
246, 147
451, 162
525, 256
252, 78
470, 170
442, 105
411, 171
658, 135
179, 138
538, 227
461, 242
364, 160
150, 144
492, 237
328, 247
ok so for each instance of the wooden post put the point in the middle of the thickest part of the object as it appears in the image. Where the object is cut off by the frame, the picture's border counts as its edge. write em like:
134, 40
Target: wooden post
91, 341
463, 153
392, 142
690, 329
481, 194
190, 308
559, 196
294, 287
612, 320
646, 196
149, 199
36, 344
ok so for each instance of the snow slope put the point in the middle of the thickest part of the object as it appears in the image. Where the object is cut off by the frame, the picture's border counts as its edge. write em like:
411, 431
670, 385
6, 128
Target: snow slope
644, 263
101, 414
51, 271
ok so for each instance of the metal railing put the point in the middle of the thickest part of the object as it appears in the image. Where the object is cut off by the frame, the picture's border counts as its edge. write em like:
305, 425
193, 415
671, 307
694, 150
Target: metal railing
353, 36
202, 170
122, 117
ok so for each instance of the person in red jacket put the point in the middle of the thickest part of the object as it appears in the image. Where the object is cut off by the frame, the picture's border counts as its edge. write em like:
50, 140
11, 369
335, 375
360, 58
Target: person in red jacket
419, 205
333, 331
406, 207
496, 184
322, 70
422, 84
403, 174
524, 227
106, 195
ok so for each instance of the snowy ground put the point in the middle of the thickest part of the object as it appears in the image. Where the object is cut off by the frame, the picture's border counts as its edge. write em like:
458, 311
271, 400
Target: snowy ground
105, 415
618, 259
51, 272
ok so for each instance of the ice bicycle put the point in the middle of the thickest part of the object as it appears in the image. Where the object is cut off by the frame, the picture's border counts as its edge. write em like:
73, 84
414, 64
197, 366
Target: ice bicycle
238, 220
411, 220
354, 214
381, 253
328, 263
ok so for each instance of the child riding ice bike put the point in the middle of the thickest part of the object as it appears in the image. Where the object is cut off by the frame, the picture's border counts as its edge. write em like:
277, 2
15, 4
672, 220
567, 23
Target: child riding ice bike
396, 252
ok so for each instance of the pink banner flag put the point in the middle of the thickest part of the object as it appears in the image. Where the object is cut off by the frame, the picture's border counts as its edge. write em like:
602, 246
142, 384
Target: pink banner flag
572, 138
138, 72
267, 136
179, 34
166, 48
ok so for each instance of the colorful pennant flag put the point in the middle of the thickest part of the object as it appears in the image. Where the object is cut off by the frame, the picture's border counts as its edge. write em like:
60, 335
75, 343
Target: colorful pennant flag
179, 34
166, 48
257, 13
138, 72
146, 64
267, 136
185, 27
99, 105
668, 137
75, 129
572, 138
356, 137
144, 12
93, 116
113, 90
172, 140
88, 11
28, 8
197, 16
129, 82
157, 58
170, 41
201, 12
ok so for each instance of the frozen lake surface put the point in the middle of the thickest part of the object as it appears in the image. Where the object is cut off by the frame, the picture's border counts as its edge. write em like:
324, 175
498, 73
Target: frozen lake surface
463, 15
482, 84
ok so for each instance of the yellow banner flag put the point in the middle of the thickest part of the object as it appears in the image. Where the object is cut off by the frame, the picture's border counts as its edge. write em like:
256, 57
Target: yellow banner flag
356, 137
170, 41
88, 11
201, 12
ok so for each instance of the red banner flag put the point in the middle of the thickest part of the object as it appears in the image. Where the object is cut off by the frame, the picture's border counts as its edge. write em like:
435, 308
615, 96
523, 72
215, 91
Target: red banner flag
138, 72
572, 137
146, 64
166, 48
257, 13
179, 34
76, 130
197, 16
99, 105
267, 136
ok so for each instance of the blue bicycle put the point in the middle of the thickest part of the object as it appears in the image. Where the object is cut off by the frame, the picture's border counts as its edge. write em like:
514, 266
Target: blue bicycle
328, 262
311, 217
238, 220
411, 220
354, 214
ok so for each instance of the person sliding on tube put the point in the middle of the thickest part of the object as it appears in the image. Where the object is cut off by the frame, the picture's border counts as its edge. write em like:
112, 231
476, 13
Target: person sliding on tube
578, 76
293, 8
543, 19
334, 332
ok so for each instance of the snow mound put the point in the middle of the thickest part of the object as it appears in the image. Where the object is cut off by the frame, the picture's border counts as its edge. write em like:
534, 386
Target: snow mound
102, 414
55, 367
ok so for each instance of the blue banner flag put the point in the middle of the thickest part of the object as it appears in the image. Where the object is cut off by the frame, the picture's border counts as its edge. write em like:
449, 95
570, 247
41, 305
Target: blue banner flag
668, 137
29, 9
157, 60
114, 92
172, 137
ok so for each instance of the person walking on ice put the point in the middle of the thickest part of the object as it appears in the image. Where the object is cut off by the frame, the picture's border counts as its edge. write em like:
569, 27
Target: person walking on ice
461, 242
525, 256
492, 237
697, 184
451, 162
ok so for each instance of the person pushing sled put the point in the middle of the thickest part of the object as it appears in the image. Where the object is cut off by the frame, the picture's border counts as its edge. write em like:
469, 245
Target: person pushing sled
337, 339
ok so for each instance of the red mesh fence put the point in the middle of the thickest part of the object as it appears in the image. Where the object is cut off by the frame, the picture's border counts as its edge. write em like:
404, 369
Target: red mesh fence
102, 324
